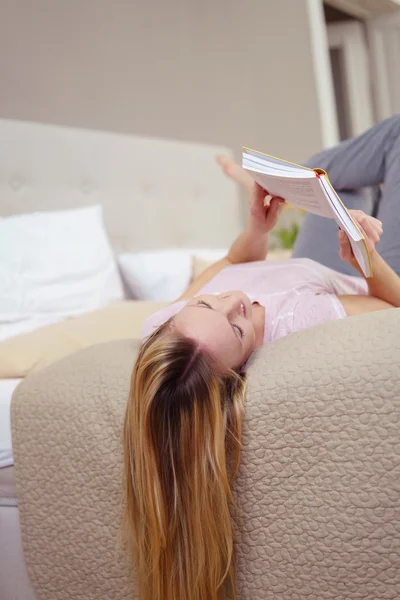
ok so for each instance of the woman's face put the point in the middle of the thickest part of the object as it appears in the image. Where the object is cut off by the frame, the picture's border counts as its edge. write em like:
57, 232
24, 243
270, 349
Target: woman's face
222, 324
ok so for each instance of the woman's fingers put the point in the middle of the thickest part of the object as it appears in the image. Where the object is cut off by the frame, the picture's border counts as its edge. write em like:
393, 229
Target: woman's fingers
264, 207
272, 207
372, 231
260, 191
370, 227
377, 226
272, 211
369, 240
268, 199
345, 251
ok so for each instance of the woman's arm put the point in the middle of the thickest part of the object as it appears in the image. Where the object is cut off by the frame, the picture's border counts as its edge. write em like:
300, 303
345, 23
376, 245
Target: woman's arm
252, 243
384, 286
383, 289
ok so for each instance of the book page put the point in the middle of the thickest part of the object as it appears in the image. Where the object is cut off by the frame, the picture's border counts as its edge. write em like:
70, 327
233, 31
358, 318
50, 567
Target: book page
272, 159
345, 221
255, 162
305, 193
361, 254
343, 217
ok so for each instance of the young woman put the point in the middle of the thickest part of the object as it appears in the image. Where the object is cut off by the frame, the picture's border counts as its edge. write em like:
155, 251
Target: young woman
184, 416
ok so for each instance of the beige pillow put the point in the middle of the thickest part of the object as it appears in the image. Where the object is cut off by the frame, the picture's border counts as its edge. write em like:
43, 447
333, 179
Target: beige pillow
200, 264
32, 351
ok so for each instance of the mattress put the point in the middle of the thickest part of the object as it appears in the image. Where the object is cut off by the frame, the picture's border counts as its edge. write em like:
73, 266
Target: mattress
8, 492
14, 579
7, 387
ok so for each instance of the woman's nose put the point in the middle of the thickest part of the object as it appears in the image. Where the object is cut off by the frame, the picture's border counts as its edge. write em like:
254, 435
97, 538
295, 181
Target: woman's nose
231, 306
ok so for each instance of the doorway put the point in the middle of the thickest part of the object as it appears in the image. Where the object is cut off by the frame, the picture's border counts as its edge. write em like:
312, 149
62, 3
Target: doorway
364, 52
351, 72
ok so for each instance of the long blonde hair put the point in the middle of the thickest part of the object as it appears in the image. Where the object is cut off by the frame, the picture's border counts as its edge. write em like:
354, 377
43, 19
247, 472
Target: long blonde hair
182, 439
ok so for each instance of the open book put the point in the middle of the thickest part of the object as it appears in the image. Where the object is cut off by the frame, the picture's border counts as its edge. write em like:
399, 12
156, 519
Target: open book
309, 189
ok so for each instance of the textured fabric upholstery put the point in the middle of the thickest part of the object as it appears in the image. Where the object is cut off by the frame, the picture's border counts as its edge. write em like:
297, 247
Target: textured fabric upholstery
318, 485
142, 183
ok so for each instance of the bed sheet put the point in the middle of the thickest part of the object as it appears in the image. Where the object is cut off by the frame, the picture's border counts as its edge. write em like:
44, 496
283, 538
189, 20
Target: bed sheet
7, 387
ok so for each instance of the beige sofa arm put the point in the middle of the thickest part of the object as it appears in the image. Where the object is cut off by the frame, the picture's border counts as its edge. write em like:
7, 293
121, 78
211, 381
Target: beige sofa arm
318, 485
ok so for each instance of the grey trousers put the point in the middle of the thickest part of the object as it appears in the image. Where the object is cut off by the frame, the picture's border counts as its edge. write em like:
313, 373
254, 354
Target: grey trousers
356, 168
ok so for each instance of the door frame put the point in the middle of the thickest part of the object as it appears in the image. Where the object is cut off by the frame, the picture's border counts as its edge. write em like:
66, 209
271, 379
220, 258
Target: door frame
349, 37
365, 9
383, 53
322, 74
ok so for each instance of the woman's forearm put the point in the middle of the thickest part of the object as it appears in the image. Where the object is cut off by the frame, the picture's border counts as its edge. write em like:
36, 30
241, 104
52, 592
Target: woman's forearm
252, 244
385, 283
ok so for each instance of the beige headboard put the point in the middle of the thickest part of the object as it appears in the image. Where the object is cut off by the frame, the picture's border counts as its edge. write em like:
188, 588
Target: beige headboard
155, 193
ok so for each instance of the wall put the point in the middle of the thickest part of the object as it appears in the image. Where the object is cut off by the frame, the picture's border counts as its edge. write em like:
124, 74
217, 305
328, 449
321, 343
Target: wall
218, 71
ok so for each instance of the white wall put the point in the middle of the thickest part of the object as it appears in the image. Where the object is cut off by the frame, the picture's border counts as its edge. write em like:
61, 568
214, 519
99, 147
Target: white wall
221, 71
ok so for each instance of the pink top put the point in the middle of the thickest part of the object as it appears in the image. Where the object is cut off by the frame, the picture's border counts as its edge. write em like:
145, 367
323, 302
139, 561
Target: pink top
296, 293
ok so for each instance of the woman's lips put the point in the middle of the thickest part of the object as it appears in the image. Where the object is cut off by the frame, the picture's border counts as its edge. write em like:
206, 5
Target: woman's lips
245, 304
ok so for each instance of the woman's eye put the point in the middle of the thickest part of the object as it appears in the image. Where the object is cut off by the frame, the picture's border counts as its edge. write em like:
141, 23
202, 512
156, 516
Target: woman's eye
239, 329
204, 303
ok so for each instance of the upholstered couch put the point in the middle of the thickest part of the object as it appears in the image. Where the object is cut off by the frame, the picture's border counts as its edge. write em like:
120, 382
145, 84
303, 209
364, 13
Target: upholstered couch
318, 487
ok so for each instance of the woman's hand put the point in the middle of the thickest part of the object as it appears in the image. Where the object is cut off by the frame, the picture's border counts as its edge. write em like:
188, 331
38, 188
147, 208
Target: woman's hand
263, 209
371, 229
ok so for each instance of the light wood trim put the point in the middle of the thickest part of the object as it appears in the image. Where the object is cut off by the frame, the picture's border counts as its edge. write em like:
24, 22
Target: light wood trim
365, 9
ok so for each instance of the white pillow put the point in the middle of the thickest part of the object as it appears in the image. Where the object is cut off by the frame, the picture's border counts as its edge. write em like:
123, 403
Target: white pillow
160, 274
157, 274
211, 254
54, 265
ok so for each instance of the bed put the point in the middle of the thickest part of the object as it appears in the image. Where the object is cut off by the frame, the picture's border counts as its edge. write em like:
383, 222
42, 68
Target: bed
7, 387
318, 480
9, 539
10, 543
142, 184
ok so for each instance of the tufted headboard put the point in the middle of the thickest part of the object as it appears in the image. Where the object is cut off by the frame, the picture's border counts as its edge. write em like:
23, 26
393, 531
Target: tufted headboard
155, 193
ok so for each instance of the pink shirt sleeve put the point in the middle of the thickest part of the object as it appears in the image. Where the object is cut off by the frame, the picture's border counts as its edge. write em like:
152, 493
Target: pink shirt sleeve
155, 320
